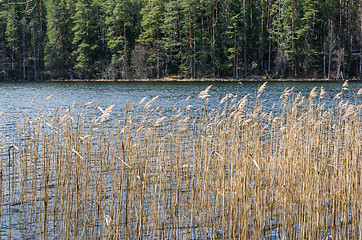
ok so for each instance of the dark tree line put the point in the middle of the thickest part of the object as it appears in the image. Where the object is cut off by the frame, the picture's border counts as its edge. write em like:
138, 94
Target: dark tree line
113, 39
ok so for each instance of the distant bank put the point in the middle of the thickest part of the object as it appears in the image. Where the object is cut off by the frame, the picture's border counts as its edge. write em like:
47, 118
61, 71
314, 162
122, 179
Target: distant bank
179, 79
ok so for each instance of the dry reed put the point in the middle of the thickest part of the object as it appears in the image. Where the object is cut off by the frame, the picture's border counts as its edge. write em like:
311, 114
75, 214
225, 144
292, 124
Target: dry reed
239, 170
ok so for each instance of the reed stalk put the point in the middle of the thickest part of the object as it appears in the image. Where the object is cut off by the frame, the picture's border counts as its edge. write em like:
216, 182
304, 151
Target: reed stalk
236, 170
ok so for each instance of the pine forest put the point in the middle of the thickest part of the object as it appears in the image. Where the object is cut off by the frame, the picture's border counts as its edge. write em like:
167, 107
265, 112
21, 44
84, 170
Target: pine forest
151, 39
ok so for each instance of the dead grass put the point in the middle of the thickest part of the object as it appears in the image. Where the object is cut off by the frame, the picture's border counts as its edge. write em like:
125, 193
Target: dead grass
238, 170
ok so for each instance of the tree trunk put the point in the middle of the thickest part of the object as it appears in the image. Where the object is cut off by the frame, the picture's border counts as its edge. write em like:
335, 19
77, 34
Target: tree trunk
360, 52
269, 55
203, 61
234, 58
194, 58
23, 23
331, 43
34, 53
125, 60
324, 59
237, 67
329, 59
213, 42
245, 40
40, 47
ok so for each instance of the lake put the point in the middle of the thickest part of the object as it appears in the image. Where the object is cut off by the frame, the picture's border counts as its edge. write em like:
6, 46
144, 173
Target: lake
17, 96
197, 177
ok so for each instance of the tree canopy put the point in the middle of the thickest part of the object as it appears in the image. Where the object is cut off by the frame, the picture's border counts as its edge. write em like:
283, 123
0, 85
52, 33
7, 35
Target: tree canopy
115, 39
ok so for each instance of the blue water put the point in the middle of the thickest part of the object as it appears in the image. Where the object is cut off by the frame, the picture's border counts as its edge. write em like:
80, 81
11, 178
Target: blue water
17, 96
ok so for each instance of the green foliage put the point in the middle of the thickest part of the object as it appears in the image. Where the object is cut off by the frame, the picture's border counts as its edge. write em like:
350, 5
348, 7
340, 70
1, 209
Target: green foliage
58, 46
150, 36
156, 38
82, 40
12, 28
171, 35
115, 20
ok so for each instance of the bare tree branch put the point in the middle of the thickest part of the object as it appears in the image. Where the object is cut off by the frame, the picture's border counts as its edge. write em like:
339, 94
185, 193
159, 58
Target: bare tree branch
9, 3
30, 4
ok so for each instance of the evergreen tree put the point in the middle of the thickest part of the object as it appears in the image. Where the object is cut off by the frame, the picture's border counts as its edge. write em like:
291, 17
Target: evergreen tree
118, 22
170, 30
204, 37
38, 34
306, 33
12, 39
257, 36
188, 38
150, 36
58, 46
360, 39
4, 58
234, 36
284, 33
82, 39
352, 42
191, 38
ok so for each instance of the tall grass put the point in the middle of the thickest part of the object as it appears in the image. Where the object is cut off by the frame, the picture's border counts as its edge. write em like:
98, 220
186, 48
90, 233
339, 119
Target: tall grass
239, 170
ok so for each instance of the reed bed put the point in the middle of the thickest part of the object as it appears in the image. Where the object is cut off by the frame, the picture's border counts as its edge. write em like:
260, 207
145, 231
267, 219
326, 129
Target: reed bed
238, 170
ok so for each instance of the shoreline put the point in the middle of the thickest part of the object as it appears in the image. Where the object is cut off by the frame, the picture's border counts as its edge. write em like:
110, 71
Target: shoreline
179, 79
174, 79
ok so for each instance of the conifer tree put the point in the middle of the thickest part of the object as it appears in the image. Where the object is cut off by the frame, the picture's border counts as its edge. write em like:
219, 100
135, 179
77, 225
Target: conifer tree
4, 58
235, 38
37, 27
191, 38
150, 36
360, 38
188, 38
285, 18
306, 33
170, 30
117, 22
58, 46
82, 39
12, 38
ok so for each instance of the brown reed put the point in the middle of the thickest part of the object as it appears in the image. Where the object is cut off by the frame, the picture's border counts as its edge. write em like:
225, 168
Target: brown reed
239, 170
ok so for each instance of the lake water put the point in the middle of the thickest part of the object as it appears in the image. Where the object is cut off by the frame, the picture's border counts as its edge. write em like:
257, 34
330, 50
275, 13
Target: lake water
17, 96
